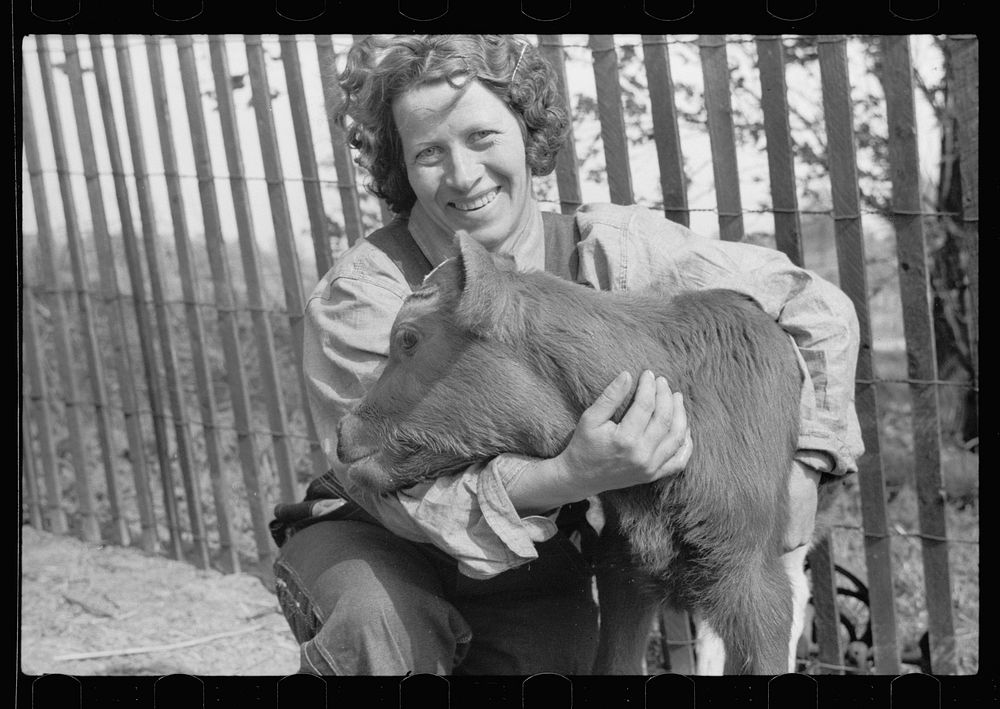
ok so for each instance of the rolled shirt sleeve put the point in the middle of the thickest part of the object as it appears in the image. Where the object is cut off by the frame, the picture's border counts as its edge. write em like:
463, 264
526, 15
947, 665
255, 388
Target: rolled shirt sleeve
635, 248
346, 342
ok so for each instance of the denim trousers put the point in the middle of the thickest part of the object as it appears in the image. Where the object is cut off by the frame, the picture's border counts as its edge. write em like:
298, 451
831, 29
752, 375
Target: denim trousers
362, 601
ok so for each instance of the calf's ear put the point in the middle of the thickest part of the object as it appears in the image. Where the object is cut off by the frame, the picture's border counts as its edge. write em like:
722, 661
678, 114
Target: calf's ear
487, 304
476, 262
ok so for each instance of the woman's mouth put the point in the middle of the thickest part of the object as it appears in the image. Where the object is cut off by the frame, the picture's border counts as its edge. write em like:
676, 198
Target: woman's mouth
471, 205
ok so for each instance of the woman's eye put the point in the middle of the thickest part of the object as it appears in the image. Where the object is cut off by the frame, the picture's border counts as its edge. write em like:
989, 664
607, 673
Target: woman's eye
482, 135
429, 155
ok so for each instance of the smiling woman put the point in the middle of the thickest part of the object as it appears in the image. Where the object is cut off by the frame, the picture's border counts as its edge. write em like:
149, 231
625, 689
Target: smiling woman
384, 67
466, 163
475, 572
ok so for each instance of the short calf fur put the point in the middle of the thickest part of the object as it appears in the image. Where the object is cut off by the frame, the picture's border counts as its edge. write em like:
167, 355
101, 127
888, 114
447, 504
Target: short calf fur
484, 360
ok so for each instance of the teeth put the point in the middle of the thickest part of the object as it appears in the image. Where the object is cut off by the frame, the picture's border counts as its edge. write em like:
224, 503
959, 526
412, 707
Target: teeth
477, 203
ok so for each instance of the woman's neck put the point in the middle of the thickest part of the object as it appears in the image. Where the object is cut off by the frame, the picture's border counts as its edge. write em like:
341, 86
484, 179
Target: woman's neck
526, 246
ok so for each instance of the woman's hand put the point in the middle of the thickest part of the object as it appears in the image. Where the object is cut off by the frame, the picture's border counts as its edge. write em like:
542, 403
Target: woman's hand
651, 441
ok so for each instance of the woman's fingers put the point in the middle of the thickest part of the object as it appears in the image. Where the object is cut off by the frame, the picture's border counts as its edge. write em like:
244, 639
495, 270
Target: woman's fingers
635, 421
663, 414
674, 449
608, 401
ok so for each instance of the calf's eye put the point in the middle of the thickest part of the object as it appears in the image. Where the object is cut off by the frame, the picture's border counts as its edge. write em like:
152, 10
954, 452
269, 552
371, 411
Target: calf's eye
407, 340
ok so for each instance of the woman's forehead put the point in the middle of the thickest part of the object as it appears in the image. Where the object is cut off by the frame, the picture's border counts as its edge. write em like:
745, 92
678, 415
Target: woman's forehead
428, 107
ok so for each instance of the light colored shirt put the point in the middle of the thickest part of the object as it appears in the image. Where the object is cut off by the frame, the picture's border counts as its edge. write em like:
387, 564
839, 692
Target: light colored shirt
469, 515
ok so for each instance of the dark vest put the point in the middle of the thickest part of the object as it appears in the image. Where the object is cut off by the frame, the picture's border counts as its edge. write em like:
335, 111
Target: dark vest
561, 237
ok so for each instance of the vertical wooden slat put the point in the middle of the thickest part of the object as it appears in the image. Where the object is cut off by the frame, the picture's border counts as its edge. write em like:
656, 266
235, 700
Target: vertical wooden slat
38, 398
666, 133
788, 239
914, 288
678, 640
718, 105
287, 258
277, 417
824, 600
173, 383
965, 70
225, 302
347, 187
841, 151
609, 110
780, 163
29, 474
307, 153
221, 491
60, 335
550, 46
89, 526
116, 308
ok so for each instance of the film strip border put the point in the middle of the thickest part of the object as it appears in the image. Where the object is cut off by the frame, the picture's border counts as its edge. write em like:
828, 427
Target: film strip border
549, 691
182, 15
543, 691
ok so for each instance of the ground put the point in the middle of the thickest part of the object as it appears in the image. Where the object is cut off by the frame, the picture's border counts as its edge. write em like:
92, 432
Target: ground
84, 598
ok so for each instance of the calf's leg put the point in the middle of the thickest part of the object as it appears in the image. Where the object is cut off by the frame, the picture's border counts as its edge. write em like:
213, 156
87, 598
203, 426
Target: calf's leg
794, 563
628, 605
755, 618
710, 651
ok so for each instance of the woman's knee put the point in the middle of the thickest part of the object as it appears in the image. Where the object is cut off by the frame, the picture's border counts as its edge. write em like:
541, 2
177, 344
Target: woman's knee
363, 603
378, 629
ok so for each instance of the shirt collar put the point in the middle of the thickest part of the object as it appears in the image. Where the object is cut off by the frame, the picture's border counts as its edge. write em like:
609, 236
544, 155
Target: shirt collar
527, 247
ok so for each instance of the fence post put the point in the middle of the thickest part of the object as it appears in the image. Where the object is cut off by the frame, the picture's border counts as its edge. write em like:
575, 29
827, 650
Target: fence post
781, 167
719, 109
306, 151
36, 395
921, 360
666, 134
965, 68
567, 170
346, 183
29, 474
841, 152
609, 111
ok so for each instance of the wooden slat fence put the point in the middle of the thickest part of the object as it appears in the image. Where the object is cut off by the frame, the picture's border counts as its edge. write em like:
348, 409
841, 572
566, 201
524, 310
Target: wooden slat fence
218, 403
229, 558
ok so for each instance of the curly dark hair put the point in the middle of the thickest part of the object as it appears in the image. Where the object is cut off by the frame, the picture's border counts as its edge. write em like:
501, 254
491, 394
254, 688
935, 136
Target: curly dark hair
381, 67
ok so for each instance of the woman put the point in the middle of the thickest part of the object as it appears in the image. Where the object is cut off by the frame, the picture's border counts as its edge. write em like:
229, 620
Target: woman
475, 573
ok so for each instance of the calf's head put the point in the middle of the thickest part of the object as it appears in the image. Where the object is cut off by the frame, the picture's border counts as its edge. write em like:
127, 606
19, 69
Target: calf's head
459, 385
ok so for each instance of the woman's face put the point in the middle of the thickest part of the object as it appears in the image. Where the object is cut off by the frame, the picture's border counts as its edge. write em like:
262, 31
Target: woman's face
465, 159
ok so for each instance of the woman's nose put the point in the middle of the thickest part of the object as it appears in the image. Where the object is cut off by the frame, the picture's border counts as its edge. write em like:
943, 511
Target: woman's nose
465, 170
